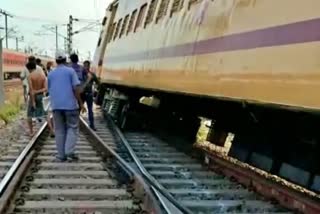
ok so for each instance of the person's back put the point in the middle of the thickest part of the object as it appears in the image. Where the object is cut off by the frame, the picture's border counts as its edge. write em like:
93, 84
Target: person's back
38, 80
61, 83
79, 69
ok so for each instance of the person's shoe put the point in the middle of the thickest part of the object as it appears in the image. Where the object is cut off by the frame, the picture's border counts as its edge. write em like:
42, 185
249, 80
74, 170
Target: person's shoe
93, 128
59, 159
52, 135
73, 157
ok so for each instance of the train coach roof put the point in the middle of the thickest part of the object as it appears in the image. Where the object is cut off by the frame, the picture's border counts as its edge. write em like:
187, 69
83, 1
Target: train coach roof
45, 58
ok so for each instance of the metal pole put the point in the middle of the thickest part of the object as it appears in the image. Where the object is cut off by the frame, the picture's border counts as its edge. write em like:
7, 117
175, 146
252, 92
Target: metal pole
1, 76
17, 44
6, 26
57, 45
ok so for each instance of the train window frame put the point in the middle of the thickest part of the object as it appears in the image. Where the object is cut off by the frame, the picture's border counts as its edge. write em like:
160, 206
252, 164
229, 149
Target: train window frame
110, 35
100, 39
104, 21
99, 42
193, 2
124, 25
179, 7
139, 21
132, 21
151, 14
117, 29
165, 10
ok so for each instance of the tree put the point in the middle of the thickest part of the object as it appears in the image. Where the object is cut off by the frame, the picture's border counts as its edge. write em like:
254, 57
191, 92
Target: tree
1, 75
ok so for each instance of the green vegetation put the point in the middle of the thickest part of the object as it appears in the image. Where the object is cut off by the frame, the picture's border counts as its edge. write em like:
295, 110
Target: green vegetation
11, 108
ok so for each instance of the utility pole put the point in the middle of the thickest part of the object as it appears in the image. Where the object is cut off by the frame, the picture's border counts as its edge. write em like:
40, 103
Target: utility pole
17, 42
70, 33
6, 15
66, 44
57, 45
1, 76
6, 26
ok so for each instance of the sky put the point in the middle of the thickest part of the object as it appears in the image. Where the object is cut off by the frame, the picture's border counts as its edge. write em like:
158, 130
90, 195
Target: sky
32, 15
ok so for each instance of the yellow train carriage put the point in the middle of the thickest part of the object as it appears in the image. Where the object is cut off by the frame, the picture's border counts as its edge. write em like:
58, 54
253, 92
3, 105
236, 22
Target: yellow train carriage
251, 51
258, 50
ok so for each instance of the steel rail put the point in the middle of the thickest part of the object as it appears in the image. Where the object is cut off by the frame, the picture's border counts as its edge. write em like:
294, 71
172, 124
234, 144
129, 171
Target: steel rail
16, 165
145, 173
121, 161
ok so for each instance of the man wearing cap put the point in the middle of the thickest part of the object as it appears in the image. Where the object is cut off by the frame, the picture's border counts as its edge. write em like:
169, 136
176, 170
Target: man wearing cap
64, 90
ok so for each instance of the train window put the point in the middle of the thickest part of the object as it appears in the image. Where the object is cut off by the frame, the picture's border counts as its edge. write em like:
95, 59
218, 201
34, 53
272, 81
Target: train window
151, 12
100, 38
124, 25
163, 9
111, 32
191, 2
99, 42
140, 16
117, 29
133, 17
177, 5
104, 21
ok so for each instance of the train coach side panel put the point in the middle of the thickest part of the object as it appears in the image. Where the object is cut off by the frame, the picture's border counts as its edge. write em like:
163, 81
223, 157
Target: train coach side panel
257, 50
14, 62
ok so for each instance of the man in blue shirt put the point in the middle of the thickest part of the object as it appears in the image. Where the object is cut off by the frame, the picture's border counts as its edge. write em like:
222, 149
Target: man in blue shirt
80, 71
86, 79
64, 90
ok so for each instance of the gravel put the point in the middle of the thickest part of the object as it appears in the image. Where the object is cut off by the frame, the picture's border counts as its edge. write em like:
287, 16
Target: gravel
12, 132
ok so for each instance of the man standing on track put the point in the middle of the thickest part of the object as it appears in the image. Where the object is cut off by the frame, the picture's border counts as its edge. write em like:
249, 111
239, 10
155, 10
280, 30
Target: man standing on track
64, 90
24, 77
87, 93
84, 81
37, 83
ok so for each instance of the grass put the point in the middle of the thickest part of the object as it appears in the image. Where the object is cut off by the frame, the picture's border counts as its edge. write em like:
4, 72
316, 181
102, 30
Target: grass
12, 107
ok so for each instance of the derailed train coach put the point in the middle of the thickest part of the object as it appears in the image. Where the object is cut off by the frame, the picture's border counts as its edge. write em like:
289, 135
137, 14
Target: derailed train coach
252, 66
14, 62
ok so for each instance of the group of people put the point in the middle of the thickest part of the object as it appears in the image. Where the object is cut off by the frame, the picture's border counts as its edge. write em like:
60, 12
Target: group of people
67, 87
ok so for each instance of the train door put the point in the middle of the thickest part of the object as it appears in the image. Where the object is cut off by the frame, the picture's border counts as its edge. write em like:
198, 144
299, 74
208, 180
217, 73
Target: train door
106, 32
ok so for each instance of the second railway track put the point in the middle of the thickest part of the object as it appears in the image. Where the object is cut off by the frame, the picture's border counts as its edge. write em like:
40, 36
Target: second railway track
193, 185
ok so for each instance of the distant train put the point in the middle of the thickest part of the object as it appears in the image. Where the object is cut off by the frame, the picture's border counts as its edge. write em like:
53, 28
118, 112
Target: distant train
252, 66
14, 62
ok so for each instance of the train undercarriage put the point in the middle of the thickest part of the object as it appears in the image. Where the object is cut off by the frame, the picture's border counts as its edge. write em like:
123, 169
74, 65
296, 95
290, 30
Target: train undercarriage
279, 141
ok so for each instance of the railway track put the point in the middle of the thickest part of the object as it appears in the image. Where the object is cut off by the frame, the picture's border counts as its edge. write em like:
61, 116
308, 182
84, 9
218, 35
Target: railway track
106, 178
13, 151
191, 183
100, 182
12, 84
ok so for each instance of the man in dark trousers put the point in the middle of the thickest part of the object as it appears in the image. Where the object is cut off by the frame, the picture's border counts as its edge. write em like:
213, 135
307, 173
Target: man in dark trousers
64, 89
86, 79
87, 93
